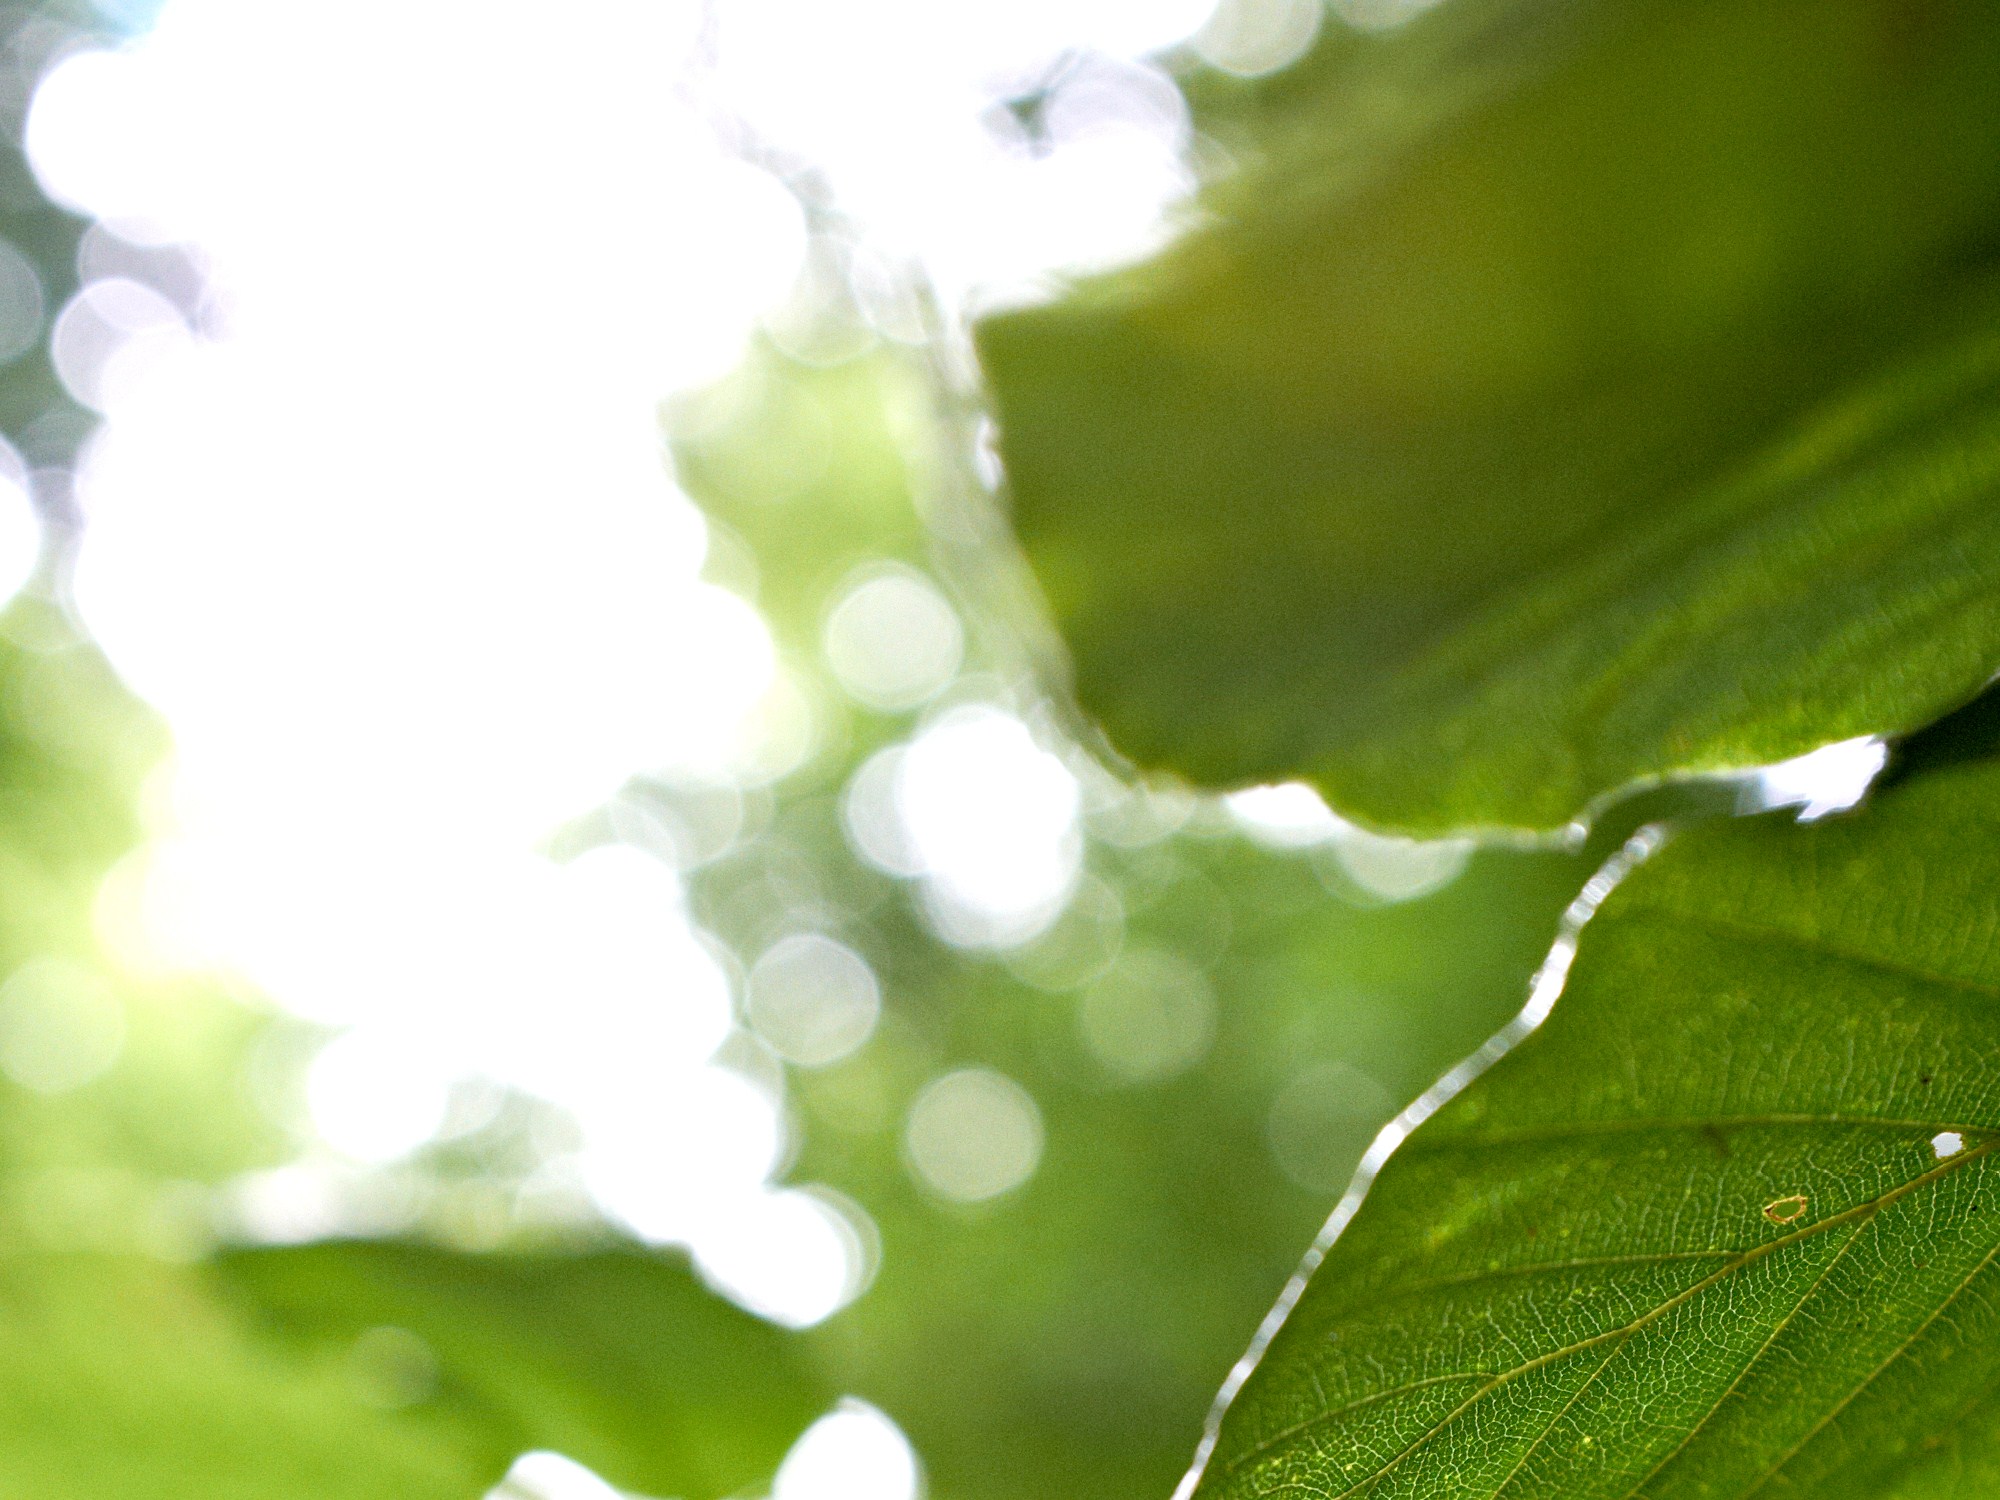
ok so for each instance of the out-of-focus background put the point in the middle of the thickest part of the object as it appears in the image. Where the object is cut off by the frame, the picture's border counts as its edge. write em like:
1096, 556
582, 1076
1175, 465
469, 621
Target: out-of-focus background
520, 737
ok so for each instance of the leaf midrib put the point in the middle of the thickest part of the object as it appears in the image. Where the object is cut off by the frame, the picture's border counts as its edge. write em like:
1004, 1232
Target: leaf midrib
1777, 1330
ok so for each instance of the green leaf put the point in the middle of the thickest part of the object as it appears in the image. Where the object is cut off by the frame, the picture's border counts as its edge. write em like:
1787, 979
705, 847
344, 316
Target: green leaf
1726, 1225
1624, 409
619, 1359
1066, 1340
120, 1376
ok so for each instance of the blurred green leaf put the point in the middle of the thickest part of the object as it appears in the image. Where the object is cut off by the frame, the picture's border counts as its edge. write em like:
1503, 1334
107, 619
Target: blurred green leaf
1613, 402
126, 1377
616, 1358
1726, 1225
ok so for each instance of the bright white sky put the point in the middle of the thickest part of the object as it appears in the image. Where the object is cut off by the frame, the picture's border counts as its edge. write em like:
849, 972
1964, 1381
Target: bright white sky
391, 540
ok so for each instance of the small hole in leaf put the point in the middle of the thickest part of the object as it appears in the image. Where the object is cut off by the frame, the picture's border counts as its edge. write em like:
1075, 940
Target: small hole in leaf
1947, 1143
1786, 1210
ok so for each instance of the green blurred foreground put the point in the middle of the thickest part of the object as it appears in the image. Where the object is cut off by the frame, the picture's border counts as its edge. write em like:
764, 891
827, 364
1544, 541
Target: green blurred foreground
1064, 1339
1557, 398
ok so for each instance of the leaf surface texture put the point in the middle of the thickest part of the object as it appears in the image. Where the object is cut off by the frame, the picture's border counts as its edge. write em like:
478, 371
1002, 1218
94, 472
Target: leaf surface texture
1725, 1226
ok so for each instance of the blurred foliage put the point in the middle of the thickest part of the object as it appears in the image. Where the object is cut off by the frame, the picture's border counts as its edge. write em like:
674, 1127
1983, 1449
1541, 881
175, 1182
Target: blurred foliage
1490, 360
37, 414
331, 1370
1067, 1339
616, 1358
1064, 1339
125, 1376
1090, 1318
74, 748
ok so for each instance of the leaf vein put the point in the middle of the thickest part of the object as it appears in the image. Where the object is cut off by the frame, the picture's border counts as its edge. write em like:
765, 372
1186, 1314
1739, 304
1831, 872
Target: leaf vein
1869, 1379
1748, 1257
1751, 1364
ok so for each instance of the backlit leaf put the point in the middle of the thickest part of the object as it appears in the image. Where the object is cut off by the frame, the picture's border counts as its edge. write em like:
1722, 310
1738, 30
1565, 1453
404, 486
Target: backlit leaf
121, 1376
619, 1359
1727, 1225
1610, 394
